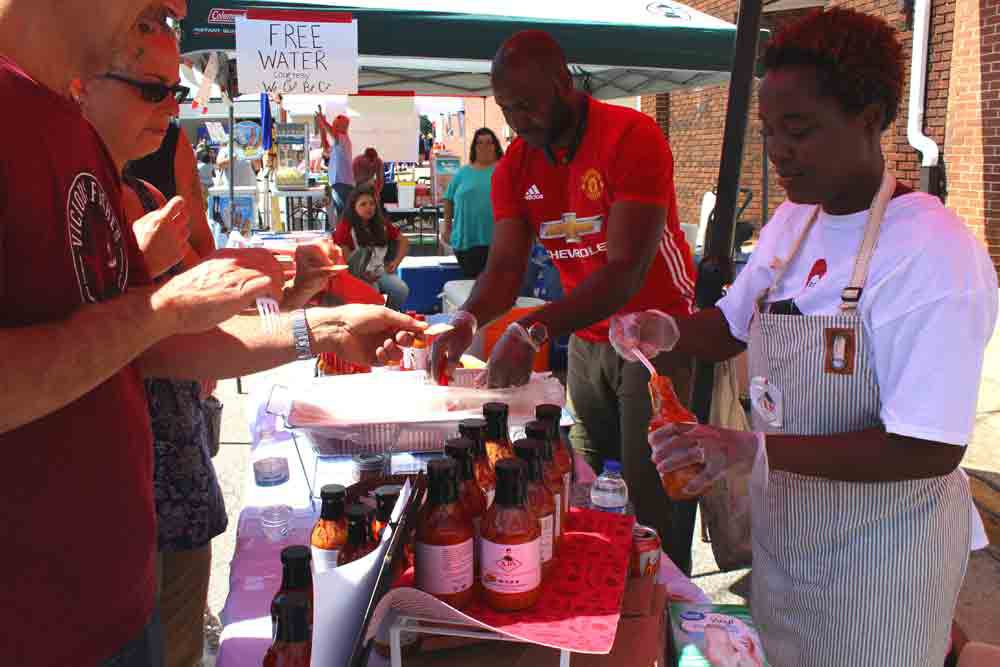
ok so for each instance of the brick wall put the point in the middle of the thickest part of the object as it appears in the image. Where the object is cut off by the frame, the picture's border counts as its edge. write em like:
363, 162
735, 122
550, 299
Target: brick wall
973, 131
696, 117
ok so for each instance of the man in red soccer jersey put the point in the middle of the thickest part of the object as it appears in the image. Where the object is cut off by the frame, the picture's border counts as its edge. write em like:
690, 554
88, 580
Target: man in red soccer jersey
594, 183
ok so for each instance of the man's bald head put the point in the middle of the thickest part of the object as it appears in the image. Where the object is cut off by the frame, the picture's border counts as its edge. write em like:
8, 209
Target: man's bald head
531, 51
534, 89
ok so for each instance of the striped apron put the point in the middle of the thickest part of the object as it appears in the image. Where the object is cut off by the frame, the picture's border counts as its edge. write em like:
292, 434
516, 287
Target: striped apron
846, 574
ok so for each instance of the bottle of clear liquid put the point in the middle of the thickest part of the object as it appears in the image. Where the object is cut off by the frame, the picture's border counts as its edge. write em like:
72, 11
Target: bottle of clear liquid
609, 492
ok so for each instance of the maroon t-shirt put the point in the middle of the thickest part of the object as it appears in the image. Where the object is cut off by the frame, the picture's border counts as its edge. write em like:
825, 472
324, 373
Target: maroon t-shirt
77, 525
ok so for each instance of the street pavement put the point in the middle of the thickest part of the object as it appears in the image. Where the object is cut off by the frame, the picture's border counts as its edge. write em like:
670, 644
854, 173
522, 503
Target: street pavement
978, 604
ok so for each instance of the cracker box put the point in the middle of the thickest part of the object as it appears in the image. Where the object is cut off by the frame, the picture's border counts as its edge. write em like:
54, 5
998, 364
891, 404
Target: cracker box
709, 635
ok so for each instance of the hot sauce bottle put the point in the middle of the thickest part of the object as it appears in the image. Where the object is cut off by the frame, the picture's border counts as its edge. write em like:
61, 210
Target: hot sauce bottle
550, 415
475, 430
471, 497
445, 538
292, 644
554, 479
498, 444
385, 501
540, 498
511, 548
296, 583
359, 540
667, 409
329, 535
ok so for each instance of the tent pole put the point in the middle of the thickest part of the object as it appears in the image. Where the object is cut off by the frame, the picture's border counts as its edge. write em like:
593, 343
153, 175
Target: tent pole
232, 162
716, 268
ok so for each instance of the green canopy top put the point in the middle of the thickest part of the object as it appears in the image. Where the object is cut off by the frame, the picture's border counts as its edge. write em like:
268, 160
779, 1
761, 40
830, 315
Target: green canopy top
615, 49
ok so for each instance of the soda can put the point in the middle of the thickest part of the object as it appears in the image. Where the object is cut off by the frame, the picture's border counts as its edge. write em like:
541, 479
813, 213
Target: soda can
645, 552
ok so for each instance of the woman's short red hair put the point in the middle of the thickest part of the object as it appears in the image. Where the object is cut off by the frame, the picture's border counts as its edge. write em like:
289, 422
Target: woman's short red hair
858, 59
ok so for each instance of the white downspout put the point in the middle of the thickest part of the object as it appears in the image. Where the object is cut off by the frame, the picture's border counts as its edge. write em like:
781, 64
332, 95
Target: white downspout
918, 86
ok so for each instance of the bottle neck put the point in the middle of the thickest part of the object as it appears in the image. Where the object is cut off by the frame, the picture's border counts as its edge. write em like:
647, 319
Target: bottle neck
535, 470
333, 510
443, 493
357, 532
296, 576
293, 624
496, 429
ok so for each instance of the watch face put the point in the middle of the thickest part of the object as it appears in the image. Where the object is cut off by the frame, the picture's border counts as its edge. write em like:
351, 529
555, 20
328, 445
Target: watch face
538, 333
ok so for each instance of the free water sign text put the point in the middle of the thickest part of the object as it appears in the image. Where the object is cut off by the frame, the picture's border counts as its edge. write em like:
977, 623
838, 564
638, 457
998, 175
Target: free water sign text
294, 57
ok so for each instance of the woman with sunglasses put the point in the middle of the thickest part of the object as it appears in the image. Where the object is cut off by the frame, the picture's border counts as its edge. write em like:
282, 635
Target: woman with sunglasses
132, 107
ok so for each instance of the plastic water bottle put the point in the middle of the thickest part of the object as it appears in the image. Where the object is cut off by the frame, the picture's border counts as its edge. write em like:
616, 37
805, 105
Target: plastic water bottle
609, 493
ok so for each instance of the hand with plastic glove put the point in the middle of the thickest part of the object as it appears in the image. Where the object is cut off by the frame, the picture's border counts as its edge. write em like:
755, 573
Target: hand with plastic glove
651, 331
448, 347
699, 455
511, 360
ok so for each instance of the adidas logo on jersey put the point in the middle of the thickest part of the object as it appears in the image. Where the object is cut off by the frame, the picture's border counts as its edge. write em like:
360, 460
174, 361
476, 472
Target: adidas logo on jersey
533, 194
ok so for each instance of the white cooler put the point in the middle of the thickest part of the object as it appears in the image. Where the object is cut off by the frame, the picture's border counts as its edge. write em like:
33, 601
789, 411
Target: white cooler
456, 292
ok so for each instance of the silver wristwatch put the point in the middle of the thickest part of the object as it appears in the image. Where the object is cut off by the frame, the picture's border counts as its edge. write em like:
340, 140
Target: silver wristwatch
300, 335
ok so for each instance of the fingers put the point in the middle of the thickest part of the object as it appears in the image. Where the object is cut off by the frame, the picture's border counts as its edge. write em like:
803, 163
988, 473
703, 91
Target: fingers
404, 339
389, 351
702, 481
175, 209
262, 286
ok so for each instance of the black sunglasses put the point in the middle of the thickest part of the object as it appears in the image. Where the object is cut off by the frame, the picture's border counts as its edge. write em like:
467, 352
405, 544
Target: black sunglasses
153, 93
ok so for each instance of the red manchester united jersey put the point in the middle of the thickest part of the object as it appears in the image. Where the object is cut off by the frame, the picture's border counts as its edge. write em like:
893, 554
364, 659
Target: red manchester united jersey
621, 156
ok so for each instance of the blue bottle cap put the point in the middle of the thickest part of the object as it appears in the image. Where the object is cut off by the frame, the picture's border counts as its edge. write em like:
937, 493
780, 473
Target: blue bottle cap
612, 466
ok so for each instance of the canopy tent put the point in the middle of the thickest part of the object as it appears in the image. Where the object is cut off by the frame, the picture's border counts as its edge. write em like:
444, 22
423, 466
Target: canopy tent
615, 49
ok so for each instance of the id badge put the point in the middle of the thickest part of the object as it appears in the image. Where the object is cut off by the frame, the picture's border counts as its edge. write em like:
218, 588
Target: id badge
766, 400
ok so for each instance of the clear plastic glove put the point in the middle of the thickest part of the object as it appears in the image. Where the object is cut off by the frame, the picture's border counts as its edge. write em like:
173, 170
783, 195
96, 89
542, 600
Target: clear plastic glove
677, 446
511, 359
448, 348
651, 331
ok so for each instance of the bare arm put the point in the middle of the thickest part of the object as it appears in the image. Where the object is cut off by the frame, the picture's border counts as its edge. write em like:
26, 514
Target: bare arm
189, 187
497, 286
634, 233
706, 335
449, 213
864, 456
401, 251
240, 346
46, 367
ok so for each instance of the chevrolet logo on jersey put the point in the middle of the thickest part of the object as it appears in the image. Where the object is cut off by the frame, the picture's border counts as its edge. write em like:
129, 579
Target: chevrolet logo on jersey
571, 228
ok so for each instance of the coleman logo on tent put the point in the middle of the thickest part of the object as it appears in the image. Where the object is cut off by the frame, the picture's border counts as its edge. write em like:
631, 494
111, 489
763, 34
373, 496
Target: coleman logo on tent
571, 228
225, 16
670, 10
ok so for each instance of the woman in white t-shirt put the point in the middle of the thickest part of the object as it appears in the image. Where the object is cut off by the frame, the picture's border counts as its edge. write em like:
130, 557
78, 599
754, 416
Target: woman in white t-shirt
866, 309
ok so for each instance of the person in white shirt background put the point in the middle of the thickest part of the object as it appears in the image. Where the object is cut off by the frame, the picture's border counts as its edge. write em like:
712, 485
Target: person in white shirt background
866, 309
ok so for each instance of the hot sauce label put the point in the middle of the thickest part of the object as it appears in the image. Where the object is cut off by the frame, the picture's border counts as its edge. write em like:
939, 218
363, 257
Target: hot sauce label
444, 570
511, 568
548, 536
324, 559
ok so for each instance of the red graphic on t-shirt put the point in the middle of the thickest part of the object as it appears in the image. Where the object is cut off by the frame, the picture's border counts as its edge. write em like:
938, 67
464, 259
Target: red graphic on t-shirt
816, 273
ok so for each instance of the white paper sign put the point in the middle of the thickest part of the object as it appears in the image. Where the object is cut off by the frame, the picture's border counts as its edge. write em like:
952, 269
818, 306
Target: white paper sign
297, 57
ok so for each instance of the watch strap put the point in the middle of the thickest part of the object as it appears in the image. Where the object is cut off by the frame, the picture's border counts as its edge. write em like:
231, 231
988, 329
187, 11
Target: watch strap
300, 335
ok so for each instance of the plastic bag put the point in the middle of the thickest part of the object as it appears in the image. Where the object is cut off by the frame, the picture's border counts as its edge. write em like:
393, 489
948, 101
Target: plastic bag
400, 409
725, 508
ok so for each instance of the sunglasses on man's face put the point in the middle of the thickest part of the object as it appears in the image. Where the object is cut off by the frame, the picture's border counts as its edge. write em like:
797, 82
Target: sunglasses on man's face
152, 92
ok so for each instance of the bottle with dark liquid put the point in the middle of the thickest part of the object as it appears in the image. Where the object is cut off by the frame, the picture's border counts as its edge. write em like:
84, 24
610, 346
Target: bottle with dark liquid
359, 540
498, 445
445, 538
538, 431
541, 501
329, 535
471, 497
292, 643
385, 501
475, 430
296, 582
511, 549
561, 455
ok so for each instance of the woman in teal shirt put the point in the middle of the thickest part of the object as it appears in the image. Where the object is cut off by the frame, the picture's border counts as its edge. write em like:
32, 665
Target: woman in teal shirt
468, 212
